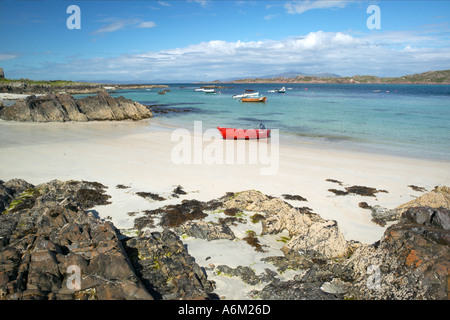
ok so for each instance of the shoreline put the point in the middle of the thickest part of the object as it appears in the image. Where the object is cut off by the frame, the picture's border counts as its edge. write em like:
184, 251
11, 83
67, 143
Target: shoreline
139, 156
131, 158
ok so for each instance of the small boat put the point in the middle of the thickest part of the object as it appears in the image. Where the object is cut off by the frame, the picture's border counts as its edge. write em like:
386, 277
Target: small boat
209, 91
262, 99
246, 95
162, 92
282, 90
235, 134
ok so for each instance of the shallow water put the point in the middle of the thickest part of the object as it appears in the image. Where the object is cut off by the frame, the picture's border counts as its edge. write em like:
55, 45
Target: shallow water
409, 120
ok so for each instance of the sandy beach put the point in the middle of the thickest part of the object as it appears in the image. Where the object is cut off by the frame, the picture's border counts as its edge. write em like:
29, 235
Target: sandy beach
139, 155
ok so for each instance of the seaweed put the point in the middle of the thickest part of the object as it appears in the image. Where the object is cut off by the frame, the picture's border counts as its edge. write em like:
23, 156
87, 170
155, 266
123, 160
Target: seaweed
150, 195
293, 197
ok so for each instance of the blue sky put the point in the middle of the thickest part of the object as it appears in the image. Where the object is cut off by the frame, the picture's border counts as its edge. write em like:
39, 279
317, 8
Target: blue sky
210, 39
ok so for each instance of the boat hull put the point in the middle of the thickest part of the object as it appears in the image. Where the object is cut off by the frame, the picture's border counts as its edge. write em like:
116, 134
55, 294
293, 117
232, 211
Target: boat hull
243, 134
262, 99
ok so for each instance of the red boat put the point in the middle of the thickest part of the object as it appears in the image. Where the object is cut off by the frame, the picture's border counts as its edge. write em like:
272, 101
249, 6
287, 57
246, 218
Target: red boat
233, 133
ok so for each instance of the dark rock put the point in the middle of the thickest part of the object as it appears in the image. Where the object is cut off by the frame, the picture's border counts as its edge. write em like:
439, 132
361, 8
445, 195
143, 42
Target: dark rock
295, 290
166, 268
203, 230
63, 107
42, 240
413, 259
245, 273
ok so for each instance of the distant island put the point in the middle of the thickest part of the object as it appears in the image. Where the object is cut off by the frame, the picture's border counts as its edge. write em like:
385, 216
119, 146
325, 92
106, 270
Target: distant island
430, 77
27, 86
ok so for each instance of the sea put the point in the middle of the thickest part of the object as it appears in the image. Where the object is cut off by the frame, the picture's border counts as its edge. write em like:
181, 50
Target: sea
397, 119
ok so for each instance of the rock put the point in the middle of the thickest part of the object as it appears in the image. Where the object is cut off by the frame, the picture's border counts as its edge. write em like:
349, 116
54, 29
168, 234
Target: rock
382, 215
309, 232
166, 268
335, 286
246, 274
438, 197
10, 190
412, 260
295, 290
206, 230
40, 241
63, 107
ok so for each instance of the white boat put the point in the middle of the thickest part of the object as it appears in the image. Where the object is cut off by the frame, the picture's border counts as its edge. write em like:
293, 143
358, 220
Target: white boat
200, 89
246, 95
282, 90
209, 91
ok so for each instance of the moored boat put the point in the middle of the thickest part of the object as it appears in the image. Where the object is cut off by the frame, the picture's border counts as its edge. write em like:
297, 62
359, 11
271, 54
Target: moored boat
246, 95
245, 134
261, 99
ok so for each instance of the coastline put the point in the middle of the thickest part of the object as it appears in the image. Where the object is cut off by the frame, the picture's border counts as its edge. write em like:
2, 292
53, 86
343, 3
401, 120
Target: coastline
138, 155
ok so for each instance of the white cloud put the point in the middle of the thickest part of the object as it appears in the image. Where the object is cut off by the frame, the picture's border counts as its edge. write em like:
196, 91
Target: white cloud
121, 24
146, 24
203, 3
301, 6
335, 52
164, 4
271, 16
7, 56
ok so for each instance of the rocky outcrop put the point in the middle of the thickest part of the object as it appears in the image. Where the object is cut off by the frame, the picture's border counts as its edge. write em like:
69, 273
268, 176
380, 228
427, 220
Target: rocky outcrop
412, 261
52, 248
166, 268
308, 231
63, 107
48, 240
436, 198
69, 87
48, 235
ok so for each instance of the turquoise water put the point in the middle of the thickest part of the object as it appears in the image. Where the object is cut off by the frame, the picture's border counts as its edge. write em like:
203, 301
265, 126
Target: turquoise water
410, 120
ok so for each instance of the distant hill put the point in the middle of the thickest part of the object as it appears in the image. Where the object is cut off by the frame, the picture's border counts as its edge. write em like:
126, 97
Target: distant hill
429, 77
294, 74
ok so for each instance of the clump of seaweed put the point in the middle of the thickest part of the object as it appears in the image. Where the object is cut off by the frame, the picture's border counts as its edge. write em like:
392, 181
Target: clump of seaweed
293, 197
252, 240
359, 190
257, 217
150, 195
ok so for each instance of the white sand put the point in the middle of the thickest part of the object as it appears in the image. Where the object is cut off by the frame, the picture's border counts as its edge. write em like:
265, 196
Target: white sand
138, 155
